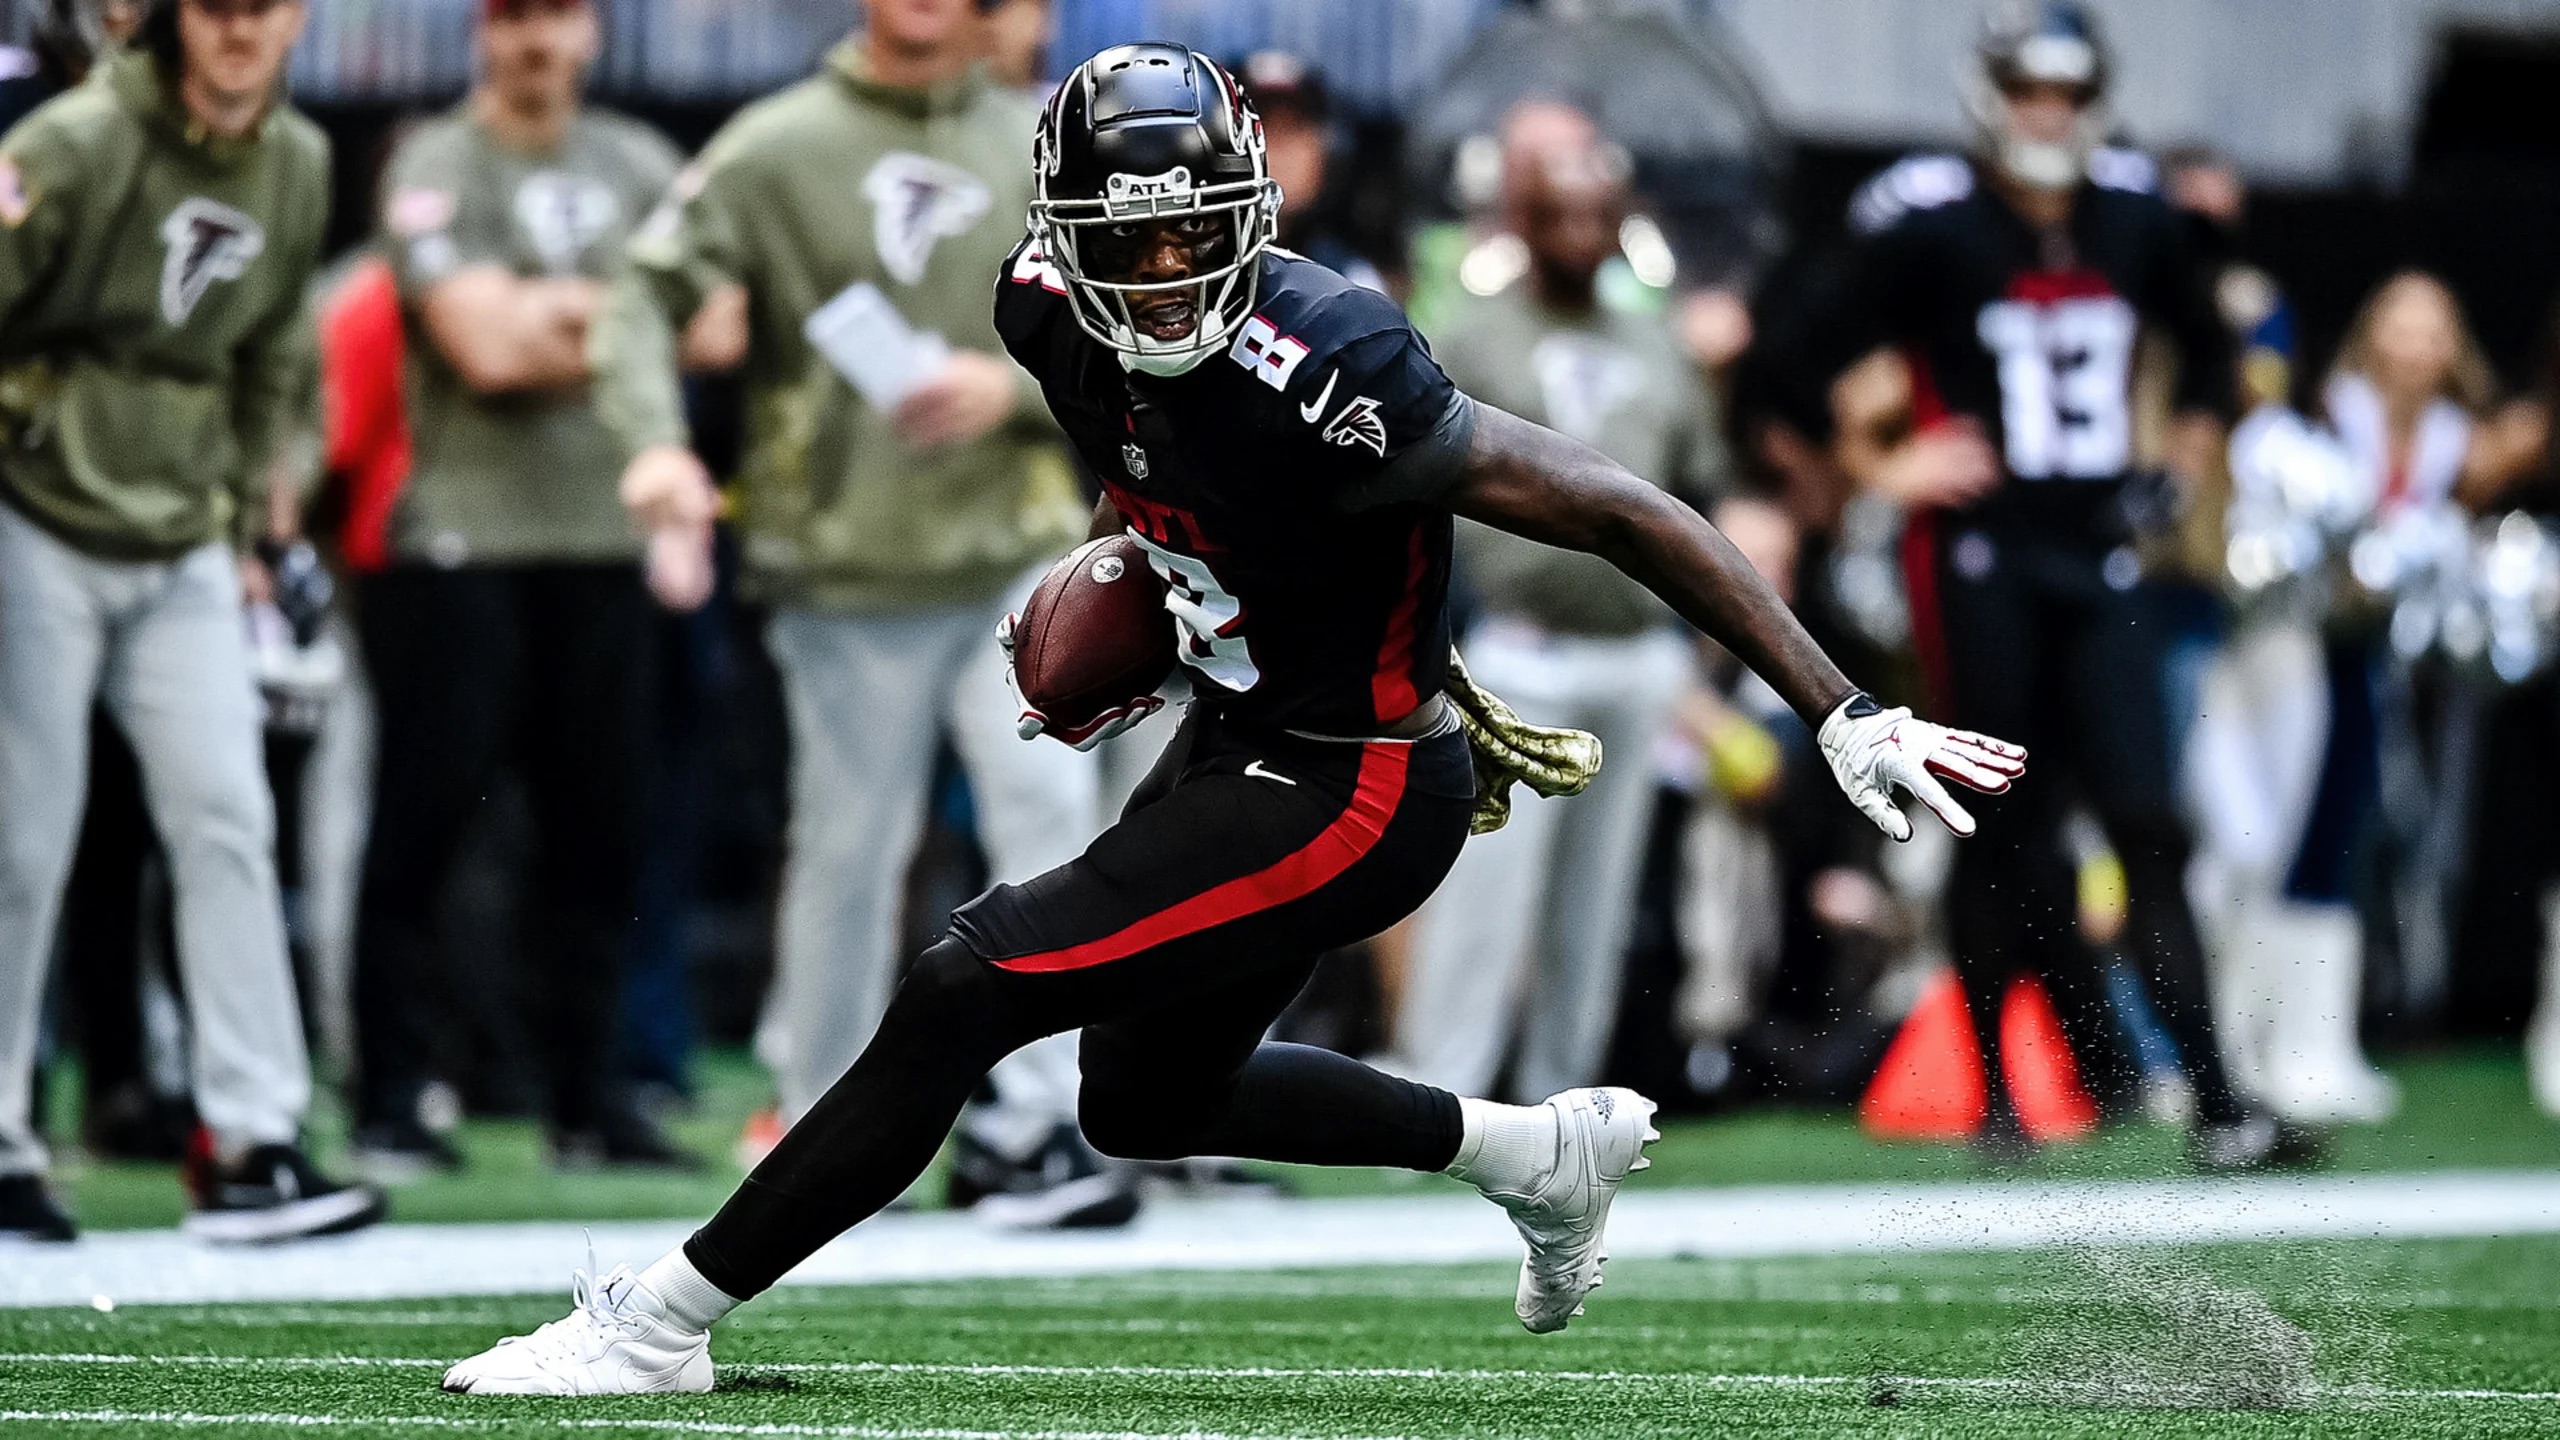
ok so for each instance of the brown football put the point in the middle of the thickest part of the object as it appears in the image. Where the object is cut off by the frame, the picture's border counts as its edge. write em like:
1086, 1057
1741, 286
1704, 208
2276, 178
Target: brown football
1094, 635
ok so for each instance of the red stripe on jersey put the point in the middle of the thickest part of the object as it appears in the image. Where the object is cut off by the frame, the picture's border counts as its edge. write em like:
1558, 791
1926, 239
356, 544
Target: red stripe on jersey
2044, 287
1391, 687
1928, 621
1353, 833
1920, 548
1928, 407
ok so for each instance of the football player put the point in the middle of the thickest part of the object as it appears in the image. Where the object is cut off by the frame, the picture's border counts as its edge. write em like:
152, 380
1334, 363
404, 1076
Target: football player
2017, 281
1281, 443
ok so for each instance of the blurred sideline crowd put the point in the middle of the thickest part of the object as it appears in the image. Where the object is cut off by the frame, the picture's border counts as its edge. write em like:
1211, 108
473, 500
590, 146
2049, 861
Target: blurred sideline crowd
521, 777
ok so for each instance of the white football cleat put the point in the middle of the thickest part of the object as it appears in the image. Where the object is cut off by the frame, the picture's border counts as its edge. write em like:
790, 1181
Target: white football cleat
616, 1342
1600, 1139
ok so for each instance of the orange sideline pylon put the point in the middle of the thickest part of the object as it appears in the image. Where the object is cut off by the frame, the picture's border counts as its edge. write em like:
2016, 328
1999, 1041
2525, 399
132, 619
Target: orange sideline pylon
1930, 1084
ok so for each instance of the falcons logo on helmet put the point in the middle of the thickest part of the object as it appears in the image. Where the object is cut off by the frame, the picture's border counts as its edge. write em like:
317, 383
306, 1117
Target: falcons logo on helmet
208, 241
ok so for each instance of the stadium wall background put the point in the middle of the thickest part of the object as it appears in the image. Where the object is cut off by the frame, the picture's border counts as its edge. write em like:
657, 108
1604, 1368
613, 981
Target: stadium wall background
2480, 204
2437, 109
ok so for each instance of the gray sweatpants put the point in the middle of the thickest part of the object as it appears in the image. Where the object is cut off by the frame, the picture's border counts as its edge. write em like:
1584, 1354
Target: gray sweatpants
163, 645
869, 698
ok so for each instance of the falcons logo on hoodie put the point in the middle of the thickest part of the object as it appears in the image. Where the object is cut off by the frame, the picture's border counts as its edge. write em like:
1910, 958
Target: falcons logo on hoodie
916, 203
207, 241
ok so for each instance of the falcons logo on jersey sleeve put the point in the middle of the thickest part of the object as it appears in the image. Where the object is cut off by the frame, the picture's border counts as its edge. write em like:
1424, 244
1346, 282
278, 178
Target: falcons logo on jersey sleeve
1359, 424
208, 241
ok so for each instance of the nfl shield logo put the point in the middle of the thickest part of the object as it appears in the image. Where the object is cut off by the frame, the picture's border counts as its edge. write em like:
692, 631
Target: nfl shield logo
1135, 457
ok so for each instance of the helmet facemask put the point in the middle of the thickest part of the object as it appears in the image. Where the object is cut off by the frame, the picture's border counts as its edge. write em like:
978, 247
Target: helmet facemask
1183, 152
2010, 59
1088, 240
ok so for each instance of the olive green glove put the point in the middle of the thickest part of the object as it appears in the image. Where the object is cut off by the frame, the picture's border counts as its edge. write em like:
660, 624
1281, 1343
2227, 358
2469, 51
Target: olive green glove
1510, 750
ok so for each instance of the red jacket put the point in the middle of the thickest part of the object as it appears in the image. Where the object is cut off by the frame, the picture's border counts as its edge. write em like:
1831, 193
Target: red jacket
364, 409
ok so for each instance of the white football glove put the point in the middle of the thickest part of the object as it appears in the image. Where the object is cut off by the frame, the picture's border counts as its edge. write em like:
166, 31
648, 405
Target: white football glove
1117, 720
1873, 750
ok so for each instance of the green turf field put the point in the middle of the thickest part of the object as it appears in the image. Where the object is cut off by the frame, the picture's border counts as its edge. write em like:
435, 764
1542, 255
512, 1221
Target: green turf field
2436, 1338
2463, 1109
2404, 1339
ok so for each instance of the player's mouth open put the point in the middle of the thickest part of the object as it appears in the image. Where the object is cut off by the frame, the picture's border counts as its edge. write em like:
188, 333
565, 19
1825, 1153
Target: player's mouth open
1166, 317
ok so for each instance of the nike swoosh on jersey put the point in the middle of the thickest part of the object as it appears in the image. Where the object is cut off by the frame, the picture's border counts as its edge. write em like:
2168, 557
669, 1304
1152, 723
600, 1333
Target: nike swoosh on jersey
1312, 413
1260, 771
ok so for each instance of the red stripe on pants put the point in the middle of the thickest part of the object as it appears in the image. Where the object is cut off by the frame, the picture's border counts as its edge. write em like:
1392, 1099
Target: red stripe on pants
1353, 833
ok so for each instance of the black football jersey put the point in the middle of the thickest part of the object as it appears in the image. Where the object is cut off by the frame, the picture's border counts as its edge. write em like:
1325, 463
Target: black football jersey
2032, 335
1275, 486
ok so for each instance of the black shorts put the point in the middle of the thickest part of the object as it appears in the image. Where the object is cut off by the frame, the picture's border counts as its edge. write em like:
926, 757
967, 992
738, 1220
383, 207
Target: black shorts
1242, 853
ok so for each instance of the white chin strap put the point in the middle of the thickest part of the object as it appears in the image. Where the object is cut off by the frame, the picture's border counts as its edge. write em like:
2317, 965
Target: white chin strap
1166, 365
1168, 358
2036, 164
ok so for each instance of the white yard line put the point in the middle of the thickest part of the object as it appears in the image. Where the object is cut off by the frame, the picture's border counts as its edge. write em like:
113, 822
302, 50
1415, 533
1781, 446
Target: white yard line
1426, 1374
418, 1261
988, 1370
296, 1421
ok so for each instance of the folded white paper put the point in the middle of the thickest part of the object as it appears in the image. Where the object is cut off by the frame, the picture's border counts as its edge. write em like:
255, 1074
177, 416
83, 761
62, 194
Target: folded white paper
874, 348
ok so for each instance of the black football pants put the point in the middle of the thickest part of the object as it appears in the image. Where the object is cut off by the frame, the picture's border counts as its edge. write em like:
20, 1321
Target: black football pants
550, 668
1173, 943
2031, 643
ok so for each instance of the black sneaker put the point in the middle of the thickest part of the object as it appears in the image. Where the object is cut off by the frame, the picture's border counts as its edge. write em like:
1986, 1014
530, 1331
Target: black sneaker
134, 1122
398, 1152
978, 1170
28, 1211
1064, 1185
2255, 1142
628, 1140
274, 1194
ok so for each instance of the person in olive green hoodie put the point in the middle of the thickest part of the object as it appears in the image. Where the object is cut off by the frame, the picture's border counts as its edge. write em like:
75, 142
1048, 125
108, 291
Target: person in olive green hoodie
890, 519
512, 618
158, 226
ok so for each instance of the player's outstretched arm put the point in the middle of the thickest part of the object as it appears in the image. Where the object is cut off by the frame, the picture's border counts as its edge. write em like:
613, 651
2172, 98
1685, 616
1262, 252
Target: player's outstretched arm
1533, 482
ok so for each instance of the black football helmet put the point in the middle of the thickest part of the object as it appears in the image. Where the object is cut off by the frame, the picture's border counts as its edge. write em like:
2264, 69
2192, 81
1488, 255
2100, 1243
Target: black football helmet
1146, 132
2028, 42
